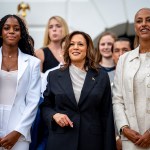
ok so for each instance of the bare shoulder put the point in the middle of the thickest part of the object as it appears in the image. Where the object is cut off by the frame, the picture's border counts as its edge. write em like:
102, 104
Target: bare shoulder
39, 54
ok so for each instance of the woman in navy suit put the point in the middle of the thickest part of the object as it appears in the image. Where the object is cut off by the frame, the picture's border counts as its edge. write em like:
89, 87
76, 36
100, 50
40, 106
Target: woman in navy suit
19, 84
77, 105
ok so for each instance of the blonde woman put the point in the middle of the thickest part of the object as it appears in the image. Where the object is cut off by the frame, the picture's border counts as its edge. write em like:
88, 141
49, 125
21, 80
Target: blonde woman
51, 54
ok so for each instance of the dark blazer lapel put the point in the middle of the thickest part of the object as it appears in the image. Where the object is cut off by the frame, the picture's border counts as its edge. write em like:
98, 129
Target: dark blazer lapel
90, 81
66, 84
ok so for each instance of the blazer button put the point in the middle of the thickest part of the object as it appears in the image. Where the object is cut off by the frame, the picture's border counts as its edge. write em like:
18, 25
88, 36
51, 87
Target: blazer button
148, 75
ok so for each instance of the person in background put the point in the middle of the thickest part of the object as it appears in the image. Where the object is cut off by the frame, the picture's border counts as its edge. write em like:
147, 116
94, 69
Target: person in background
19, 84
51, 53
131, 98
121, 46
104, 47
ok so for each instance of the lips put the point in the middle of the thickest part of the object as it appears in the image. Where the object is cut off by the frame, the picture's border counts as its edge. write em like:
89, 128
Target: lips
75, 53
144, 30
11, 37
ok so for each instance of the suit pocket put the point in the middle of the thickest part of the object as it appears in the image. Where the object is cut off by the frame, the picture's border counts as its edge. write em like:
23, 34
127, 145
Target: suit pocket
59, 130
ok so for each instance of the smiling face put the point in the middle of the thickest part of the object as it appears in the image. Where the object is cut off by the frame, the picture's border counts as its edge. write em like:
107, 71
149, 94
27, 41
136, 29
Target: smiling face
11, 33
78, 49
142, 24
105, 46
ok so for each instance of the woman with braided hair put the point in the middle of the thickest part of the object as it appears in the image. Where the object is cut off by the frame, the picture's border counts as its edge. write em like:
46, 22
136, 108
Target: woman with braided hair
19, 84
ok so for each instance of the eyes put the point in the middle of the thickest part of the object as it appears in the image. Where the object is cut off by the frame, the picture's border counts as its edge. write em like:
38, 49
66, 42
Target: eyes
14, 28
140, 20
80, 44
57, 26
119, 50
109, 44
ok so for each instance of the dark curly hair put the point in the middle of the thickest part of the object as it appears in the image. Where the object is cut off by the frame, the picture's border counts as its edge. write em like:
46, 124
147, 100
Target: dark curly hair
91, 61
26, 42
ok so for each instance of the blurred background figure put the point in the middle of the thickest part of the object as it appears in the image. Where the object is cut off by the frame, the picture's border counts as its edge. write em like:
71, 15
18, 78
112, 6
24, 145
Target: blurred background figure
131, 104
104, 47
51, 54
19, 84
121, 45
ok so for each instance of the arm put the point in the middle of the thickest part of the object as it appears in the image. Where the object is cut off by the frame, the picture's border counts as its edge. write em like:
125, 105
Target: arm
107, 118
40, 54
118, 101
32, 99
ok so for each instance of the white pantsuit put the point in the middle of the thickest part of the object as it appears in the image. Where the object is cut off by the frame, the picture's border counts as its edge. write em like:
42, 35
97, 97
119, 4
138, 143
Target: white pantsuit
25, 102
126, 100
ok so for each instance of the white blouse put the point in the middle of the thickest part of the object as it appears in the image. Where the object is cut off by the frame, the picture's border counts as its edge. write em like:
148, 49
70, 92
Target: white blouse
77, 76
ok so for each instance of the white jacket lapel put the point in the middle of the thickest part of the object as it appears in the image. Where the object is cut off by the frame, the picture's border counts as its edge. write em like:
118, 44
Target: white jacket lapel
22, 64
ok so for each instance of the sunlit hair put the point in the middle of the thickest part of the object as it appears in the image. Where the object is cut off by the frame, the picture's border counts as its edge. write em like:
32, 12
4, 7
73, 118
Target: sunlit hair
26, 42
113, 35
64, 25
136, 39
90, 61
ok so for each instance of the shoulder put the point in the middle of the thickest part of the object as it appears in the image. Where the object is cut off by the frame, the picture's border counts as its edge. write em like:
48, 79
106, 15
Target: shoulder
129, 55
33, 60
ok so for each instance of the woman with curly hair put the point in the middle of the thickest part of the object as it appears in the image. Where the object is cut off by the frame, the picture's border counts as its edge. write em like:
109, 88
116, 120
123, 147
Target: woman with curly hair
77, 100
19, 84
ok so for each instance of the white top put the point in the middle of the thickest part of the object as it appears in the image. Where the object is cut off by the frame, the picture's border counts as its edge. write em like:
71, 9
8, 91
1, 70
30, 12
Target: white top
140, 93
8, 83
77, 77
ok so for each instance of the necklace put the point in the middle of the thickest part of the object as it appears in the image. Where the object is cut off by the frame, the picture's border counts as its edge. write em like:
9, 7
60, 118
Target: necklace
9, 63
9, 56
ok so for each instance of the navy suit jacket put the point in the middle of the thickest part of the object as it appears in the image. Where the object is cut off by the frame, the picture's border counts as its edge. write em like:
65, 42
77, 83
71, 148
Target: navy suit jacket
92, 117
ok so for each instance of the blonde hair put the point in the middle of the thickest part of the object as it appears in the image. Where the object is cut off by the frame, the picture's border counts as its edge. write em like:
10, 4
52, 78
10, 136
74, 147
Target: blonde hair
65, 29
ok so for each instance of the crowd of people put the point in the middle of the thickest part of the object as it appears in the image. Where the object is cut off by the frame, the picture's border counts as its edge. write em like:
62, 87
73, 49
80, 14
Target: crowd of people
70, 95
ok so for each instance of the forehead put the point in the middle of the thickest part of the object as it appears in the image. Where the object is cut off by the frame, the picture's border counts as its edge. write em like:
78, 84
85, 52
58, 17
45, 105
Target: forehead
11, 21
142, 13
78, 37
107, 38
121, 44
54, 21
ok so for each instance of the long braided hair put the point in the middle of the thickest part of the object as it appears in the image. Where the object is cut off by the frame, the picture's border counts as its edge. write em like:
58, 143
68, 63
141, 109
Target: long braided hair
26, 43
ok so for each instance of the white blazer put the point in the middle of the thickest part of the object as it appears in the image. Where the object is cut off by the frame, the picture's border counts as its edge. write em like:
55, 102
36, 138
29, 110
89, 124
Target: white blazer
27, 95
123, 95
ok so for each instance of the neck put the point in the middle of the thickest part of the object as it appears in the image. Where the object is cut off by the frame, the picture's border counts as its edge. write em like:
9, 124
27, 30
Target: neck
79, 65
55, 46
107, 62
144, 47
7, 50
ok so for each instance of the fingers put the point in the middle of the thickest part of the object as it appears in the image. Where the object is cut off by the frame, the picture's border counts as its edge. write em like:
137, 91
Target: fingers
62, 120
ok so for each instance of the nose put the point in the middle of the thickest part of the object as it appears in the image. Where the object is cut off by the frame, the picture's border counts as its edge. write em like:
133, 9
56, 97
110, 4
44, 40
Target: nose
120, 52
75, 46
11, 30
144, 23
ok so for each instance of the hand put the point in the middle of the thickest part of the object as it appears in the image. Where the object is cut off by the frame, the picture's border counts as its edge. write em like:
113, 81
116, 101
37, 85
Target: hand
119, 144
9, 140
62, 120
144, 141
131, 134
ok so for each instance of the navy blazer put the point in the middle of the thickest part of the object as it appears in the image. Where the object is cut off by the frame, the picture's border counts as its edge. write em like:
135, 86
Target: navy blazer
92, 117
